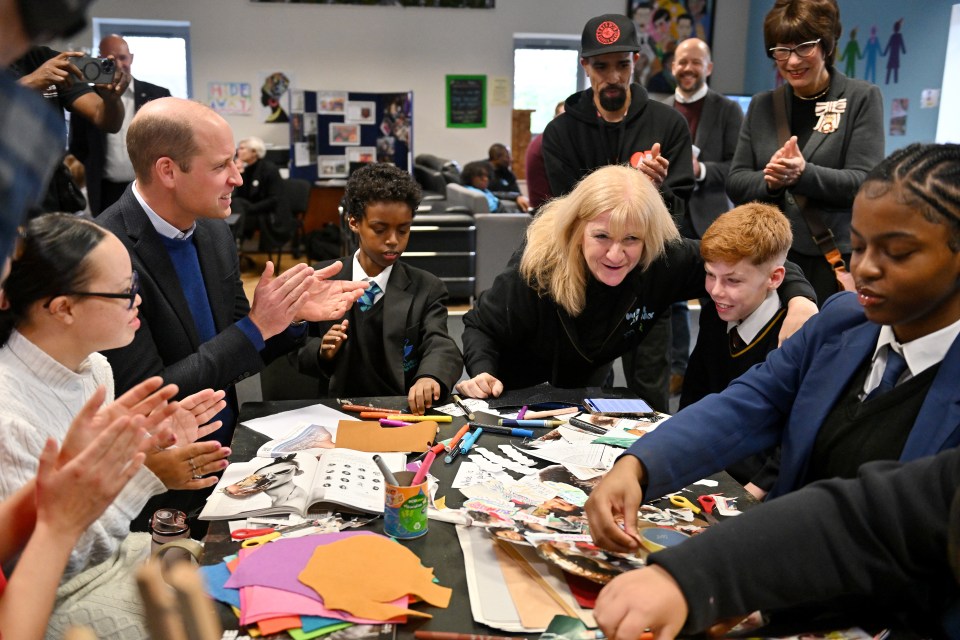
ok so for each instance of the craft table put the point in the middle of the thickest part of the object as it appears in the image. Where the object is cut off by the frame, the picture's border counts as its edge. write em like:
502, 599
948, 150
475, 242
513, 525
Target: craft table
438, 549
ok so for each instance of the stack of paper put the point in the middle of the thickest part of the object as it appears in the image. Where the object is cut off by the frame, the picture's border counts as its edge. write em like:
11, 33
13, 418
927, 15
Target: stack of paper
513, 589
282, 586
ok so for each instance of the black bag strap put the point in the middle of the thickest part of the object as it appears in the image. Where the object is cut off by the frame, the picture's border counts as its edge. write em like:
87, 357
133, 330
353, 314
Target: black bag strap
822, 235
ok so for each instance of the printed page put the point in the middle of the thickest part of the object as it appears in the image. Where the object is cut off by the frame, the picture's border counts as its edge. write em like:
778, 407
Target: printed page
352, 479
262, 486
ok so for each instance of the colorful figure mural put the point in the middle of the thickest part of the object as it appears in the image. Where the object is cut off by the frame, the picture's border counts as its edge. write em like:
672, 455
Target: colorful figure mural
895, 46
871, 52
850, 54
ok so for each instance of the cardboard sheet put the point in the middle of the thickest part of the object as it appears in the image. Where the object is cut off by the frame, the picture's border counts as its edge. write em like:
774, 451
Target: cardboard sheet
362, 575
371, 437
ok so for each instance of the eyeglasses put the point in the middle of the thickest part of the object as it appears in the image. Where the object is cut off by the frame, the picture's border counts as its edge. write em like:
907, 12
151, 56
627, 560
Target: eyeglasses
803, 50
130, 295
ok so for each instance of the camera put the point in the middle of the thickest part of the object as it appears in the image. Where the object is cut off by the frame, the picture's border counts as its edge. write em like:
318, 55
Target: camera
96, 70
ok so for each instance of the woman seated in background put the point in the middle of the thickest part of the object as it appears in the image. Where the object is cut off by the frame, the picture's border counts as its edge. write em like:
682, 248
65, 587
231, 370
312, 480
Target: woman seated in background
72, 292
599, 266
261, 198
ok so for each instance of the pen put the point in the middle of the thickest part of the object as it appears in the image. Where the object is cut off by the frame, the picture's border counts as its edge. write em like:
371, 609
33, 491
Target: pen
409, 418
424, 468
469, 440
453, 455
455, 440
447, 635
356, 408
388, 476
520, 414
529, 423
463, 407
374, 415
384, 422
540, 415
507, 431
437, 450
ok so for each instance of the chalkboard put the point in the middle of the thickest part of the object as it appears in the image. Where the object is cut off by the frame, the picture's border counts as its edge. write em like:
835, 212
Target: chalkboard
467, 101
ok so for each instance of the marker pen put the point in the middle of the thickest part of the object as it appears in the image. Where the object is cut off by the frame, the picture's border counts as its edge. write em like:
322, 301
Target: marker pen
529, 423
384, 422
409, 418
469, 440
506, 431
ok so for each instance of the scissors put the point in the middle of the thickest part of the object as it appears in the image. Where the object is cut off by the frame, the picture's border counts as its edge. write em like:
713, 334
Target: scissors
684, 503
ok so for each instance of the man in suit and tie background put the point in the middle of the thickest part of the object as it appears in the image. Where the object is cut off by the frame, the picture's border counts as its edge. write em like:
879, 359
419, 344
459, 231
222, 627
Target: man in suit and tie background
104, 155
714, 123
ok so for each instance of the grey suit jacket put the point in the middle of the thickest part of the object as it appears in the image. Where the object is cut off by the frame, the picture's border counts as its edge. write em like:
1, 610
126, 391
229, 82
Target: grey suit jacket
716, 138
837, 162
414, 320
167, 343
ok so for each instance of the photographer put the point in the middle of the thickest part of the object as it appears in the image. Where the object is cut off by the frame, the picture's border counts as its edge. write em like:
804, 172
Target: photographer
55, 76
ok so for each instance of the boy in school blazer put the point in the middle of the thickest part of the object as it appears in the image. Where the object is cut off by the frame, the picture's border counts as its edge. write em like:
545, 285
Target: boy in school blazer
394, 341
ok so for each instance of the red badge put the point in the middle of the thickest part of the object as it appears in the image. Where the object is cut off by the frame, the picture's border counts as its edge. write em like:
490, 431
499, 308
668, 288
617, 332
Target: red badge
608, 32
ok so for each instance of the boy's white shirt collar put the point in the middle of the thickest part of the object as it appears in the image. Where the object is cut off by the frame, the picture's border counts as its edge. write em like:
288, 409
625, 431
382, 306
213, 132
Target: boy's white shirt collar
756, 321
920, 354
381, 280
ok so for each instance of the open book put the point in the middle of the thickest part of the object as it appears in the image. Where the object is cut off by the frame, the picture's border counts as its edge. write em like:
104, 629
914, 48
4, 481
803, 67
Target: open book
301, 483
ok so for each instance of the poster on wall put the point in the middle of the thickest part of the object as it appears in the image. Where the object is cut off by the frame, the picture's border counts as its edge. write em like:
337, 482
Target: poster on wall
898, 116
273, 95
661, 24
429, 4
466, 101
339, 130
230, 98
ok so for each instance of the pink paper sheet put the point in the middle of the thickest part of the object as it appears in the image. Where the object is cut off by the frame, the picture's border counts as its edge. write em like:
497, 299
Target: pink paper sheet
278, 563
259, 603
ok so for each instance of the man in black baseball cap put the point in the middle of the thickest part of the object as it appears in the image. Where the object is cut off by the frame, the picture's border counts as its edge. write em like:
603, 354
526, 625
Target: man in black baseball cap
615, 122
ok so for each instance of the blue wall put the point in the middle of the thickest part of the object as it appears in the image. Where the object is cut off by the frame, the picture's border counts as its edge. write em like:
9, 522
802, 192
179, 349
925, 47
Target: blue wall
924, 29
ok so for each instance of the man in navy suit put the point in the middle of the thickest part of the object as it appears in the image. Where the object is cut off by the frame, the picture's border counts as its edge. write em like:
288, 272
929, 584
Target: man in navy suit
104, 155
197, 329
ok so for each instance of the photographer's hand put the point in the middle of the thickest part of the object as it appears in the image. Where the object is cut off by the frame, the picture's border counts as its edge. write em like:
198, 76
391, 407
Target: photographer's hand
59, 71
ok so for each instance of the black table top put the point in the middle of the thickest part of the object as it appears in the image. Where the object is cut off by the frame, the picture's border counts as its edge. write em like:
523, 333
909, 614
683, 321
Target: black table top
438, 549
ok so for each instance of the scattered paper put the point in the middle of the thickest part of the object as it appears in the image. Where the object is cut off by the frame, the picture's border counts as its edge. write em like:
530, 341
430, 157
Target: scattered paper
279, 424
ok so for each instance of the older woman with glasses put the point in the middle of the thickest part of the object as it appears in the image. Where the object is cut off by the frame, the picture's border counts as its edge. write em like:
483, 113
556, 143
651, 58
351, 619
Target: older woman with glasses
71, 292
807, 146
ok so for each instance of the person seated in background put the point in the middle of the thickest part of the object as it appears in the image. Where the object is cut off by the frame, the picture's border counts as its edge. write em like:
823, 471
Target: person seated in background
72, 292
476, 176
394, 341
743, 253
503, 182
876, 551
261, 198
873, 376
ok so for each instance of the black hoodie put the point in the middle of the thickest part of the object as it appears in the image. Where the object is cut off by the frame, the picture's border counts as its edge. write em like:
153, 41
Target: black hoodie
579, 141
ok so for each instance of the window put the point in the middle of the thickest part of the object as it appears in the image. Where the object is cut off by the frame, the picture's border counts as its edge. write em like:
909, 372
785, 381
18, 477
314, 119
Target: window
161, 50
546, 70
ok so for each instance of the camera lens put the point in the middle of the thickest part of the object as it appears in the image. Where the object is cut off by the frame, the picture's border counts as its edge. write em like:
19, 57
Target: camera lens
109, 66
91, 71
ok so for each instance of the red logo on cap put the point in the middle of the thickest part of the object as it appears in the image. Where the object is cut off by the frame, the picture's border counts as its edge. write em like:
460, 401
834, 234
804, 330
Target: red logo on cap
608, 32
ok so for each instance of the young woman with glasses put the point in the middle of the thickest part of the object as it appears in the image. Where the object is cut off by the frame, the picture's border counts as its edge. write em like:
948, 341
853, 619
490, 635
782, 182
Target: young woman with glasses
831, 135
71, 292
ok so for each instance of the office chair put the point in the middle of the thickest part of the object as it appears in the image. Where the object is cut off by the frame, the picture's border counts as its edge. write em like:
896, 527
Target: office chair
298, 197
